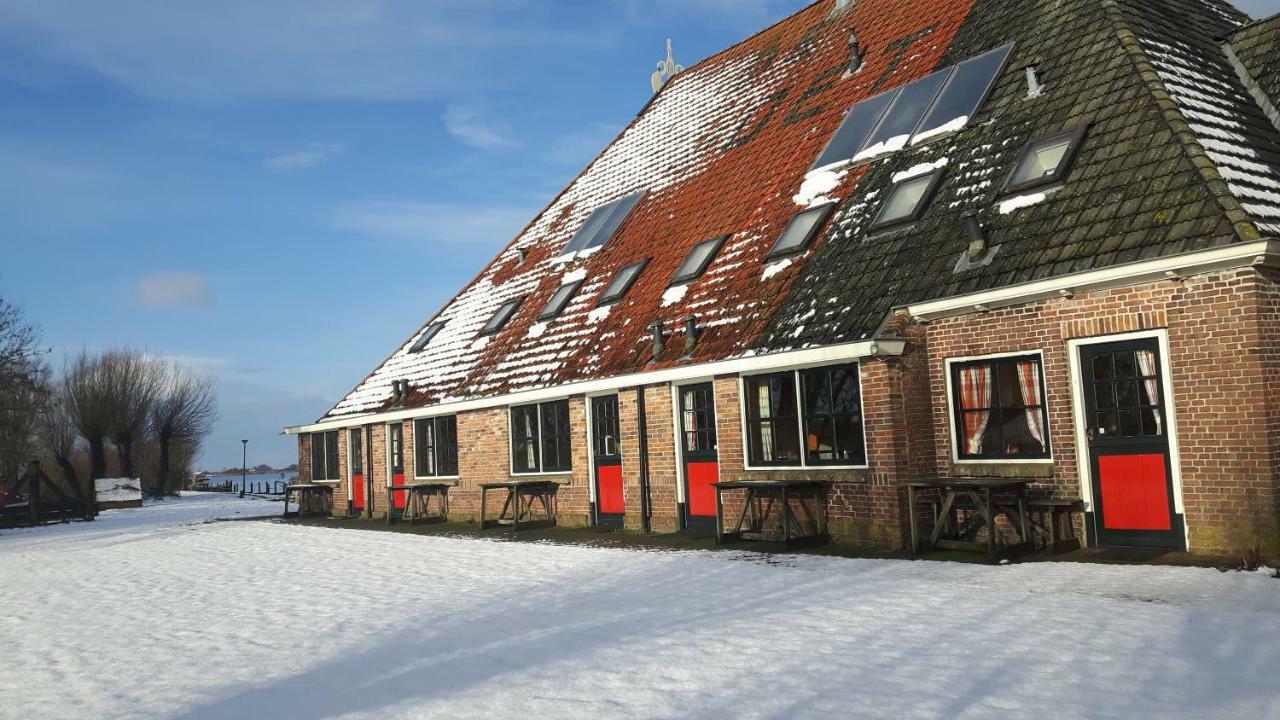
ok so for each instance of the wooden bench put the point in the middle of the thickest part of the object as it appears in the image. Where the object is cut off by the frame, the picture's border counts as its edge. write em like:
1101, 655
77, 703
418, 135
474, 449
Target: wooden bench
417, 501
1051, 518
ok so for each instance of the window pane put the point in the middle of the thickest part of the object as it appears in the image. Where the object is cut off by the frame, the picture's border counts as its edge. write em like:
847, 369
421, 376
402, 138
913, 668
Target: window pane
1041, 161
447, 445
698, 259
356, 451
524, 434
817, 393
396, 440
424, 462
820, 440
559, 299
501, 317
800, 230
555, 436
905, 198
331, 454
904, 117
317, 456
621, 282
849, 440
426, 337
962, 96
1013, 425
618, 212
853, 131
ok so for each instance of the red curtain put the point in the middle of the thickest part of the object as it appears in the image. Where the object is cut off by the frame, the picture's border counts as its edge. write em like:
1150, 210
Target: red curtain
1029, 381
975, 404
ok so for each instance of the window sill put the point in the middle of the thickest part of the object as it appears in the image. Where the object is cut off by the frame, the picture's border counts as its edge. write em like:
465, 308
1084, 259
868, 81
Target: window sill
851, 474
1038, 468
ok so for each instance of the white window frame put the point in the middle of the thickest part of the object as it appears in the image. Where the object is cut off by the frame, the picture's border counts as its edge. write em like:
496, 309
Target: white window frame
386, 440
951, 409
511, 442
432, 419
800, 418
328, 480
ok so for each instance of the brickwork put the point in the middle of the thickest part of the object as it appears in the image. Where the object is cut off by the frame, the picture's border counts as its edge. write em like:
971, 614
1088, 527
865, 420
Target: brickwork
304, 458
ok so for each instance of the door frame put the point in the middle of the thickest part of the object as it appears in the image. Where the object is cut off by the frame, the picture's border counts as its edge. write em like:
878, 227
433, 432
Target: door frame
677, 418
1084, 460
364, 469
593, 486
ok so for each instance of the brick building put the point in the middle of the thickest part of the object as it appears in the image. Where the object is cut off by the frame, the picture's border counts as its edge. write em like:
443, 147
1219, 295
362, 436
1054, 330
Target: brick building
883, 240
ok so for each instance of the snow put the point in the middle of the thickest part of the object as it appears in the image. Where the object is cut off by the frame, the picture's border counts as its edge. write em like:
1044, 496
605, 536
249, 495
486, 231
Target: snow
775, 267
920, 169
155, 613
674, 295
951, 126
1022, 201
118, 489
816, 185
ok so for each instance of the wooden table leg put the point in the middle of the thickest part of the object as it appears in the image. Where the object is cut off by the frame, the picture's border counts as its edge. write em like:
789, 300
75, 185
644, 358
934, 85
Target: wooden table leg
992, 532
483, 493
719, 516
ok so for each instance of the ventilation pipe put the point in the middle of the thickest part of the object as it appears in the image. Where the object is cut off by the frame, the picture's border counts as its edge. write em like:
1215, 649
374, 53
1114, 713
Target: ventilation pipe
855, 53
659, 338
1034, 88
977, 237
690, 335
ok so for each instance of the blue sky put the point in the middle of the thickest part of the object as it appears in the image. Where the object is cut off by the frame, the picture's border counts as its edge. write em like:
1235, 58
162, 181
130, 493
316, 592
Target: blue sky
279, 193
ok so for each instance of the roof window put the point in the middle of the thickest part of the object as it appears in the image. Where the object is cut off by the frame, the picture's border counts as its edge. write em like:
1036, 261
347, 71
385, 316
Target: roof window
622, 282
801, 231
603, 222
426, 336
1046, 161
559, 299
501, 317
697, 261
907, 200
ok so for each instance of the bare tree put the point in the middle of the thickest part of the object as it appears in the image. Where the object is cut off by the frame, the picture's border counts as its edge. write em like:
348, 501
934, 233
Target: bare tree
23, 381
59, 438
134, 380
181, 416
88, 397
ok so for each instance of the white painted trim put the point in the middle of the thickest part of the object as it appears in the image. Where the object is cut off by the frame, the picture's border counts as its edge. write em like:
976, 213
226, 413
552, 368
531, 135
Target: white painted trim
351, 475
591, 452
951, 410
1262, 252
1084, 465
826, 355
386, 440
677, 435
800, 419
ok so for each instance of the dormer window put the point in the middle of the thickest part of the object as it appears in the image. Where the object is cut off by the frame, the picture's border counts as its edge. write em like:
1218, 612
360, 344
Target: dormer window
697, 261
1046, 161
602, 224
426, 336
907, 200
801, 231
501, 317
622, 282
559, 300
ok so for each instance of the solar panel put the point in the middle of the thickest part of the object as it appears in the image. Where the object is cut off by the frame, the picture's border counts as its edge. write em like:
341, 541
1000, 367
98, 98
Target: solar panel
603, 222
853, 132
622, 282
800, 231
501, 317
697, 260
426, 336
559, 299
960, 99
903, 117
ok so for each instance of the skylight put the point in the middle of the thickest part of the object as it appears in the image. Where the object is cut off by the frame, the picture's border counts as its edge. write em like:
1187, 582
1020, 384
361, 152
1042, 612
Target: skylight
1046, 161
559, 299
698, 260
930, 107
800, 231
622, 282
426, 336
907, 200
602, 224
501, 317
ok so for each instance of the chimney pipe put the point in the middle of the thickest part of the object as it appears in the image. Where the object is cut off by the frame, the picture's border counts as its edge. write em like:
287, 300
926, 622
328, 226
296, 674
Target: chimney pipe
690, 334
855, 53
977, 238
658, 338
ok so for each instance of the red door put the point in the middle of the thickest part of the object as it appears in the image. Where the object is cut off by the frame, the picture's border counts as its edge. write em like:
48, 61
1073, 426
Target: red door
611, 506
356, 461
1127, 432
698, 449
395, 457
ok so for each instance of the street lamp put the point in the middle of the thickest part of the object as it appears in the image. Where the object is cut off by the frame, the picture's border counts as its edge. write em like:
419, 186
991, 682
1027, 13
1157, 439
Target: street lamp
244, 464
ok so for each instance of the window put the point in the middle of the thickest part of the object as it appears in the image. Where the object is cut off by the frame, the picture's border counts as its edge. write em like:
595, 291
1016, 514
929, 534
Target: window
541, 438
435, 446
773, 436
604, 419
833, 416
395, 449
805, 418
356, 453
998, 408
960, 99
501, 317
801, 231
426, 336
698, 260
622, 282
559, 299
1046, 161
324, 456
903, 117
603, 222
908, 200
930, 107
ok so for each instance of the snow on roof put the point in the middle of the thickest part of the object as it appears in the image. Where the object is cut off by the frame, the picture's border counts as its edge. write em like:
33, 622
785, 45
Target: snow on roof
118, 489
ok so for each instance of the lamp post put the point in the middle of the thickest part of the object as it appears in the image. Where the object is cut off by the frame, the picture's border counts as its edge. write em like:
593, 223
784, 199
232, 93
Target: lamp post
244, 464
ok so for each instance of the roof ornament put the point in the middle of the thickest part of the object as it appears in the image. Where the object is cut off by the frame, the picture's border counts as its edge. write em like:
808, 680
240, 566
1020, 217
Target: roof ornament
667, 69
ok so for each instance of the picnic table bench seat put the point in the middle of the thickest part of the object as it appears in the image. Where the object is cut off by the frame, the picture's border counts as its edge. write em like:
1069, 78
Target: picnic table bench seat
519, 504
1051, 519
762, 497
417, 501
312, 498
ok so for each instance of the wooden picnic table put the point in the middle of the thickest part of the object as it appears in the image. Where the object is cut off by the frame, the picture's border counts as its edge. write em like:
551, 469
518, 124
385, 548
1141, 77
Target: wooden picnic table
518, 505
762, 496
983, 500
417, 501
312, 497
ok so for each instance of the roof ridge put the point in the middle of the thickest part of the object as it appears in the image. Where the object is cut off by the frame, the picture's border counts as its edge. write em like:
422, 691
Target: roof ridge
1245, 227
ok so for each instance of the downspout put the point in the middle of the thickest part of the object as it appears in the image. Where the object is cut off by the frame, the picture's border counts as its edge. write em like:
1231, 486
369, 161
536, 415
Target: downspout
643, 428
368, 469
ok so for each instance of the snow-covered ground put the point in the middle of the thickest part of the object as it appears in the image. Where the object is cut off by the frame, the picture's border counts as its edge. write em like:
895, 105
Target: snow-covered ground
156, 613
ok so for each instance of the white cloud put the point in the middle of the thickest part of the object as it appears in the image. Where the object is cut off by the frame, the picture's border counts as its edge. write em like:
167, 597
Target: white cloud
473, 126
422, 225
314, 154
176, 289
